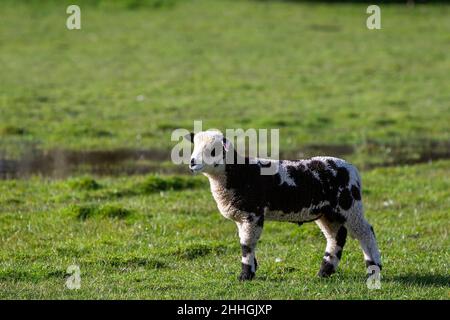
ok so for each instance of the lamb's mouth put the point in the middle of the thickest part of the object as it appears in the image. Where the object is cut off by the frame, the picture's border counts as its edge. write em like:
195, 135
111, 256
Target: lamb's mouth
196, 168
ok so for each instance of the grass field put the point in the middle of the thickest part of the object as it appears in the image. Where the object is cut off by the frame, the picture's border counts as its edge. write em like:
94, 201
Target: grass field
136, 238
133, 74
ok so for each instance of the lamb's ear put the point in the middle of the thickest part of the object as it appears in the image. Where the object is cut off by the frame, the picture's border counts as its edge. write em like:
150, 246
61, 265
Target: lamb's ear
226, 144
190, 137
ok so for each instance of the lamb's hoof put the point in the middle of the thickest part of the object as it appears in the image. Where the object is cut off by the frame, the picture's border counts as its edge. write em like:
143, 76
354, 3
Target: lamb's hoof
326, 270
247, 273
246, 276
371, 263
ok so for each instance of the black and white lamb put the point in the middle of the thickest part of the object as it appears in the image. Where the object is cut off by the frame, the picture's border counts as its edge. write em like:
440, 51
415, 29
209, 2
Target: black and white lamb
326, 190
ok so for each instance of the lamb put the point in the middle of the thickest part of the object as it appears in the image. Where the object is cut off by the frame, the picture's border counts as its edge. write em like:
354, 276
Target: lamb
326, 190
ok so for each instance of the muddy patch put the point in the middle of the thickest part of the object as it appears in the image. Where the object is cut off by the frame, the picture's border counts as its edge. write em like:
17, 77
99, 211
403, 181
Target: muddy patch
396, 154
373, 154
58, 163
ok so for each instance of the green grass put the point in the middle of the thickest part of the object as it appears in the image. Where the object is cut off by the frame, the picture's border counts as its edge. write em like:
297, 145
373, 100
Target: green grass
139, 69
314, 71
174, 244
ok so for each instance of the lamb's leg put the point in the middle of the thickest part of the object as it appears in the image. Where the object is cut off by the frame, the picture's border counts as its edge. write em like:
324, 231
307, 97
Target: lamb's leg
363, 231
250, 230
336, 235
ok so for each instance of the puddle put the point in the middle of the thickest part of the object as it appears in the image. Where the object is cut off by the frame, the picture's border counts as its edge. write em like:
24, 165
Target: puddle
58, 163
373, 154
397, 154
62, 163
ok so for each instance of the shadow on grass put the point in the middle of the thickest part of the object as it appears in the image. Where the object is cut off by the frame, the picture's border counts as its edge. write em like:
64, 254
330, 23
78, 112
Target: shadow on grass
428, 280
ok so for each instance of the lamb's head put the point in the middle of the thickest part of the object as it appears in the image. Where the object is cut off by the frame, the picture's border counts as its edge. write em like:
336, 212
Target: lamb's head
210, 150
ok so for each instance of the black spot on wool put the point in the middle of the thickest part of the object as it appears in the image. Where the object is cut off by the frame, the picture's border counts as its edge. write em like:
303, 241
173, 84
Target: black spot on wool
342, 177
332, 214
332, 164
316, 165
345, 199
341, 236
356, 193
245, 250
373, 231
315, 184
